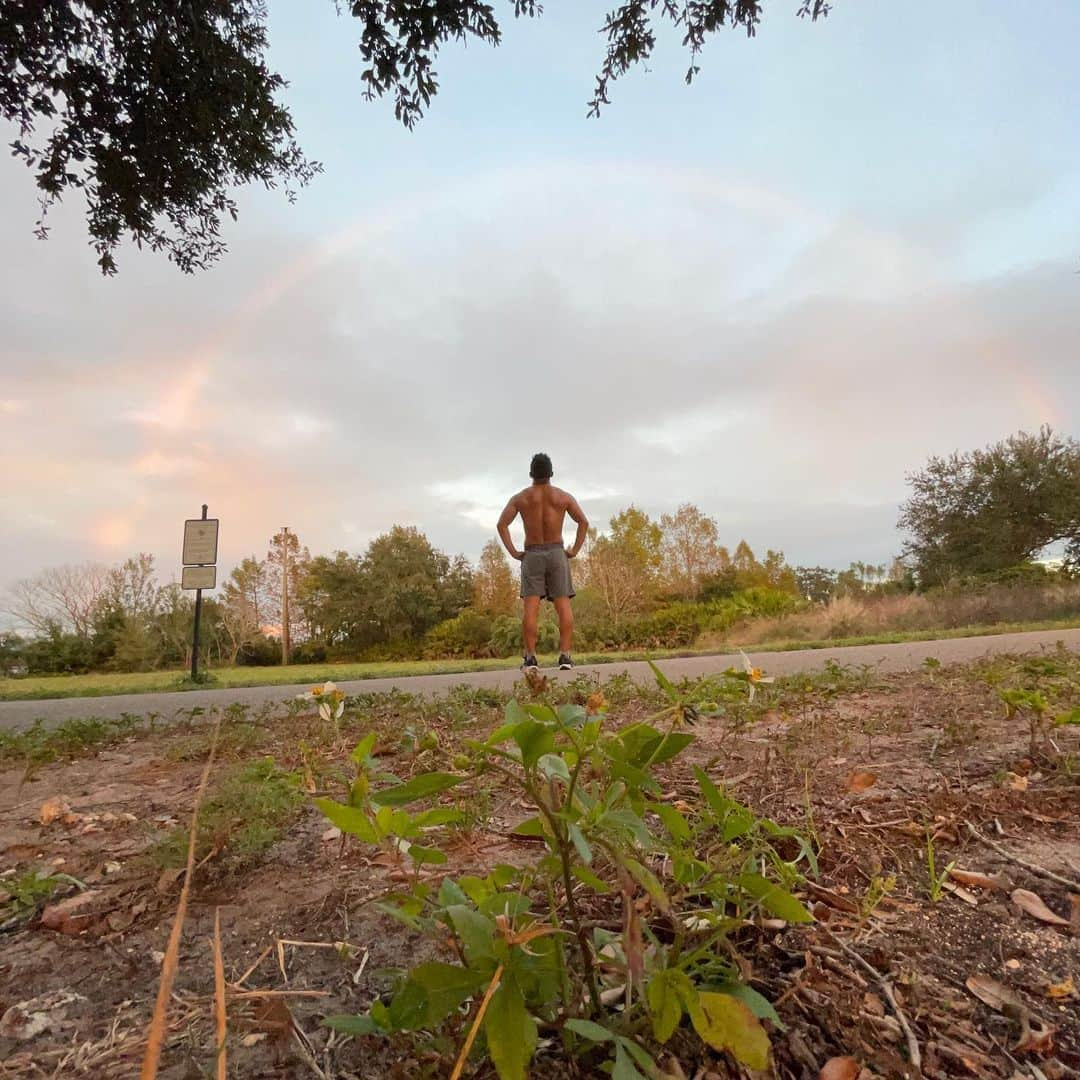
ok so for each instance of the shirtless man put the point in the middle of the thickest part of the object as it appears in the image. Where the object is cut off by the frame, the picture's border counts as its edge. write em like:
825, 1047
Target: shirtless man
545, 562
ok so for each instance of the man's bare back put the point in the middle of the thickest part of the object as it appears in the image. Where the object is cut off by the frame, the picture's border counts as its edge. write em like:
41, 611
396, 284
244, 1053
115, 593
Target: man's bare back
543, 509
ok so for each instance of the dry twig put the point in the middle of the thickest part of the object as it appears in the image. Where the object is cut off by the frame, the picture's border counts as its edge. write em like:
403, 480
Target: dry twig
160, 1021
1072, 886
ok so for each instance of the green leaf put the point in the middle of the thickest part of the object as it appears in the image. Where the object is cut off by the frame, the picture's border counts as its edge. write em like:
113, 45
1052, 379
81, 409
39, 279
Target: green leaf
477, 932
510, 1031
638, 1053
353, 1025
534, 739
727, 1024
664, 994
738, 822
1065, 718
409, 1007
533, 826
572, 716
718, 803
673, 821
364, 747
757, 1003
349, 820
539, 711
427, 819
450, 892
552, 765
421, 855
499, 735
587, 877
649, 882
624, 1068
577, 838
419, 787
664, 683
588, 1030
445, 987
776, 901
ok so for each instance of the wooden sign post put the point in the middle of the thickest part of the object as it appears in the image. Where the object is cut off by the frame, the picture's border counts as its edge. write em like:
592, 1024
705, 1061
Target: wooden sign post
200, 570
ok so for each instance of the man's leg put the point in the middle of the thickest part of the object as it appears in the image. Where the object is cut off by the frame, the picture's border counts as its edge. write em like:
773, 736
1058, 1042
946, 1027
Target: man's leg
529, 620
565, 612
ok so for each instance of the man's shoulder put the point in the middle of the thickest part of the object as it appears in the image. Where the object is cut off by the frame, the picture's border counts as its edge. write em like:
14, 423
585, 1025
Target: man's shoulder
563, 496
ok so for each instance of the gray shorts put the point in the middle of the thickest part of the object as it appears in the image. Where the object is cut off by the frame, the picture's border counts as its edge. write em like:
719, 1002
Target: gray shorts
545, 572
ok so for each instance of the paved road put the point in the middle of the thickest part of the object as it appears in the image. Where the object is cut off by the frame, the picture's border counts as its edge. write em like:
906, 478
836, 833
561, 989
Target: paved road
887, 658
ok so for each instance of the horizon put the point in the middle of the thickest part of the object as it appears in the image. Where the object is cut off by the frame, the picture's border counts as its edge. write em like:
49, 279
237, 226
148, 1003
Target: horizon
771, 294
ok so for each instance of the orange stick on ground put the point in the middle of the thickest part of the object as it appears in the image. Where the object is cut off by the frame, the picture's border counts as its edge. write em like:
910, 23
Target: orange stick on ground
219, 997
464, 1055
160, 1022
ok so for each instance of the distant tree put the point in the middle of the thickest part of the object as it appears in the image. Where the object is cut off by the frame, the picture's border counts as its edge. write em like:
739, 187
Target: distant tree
410, 586
991, 509
156, 110
11, 653
331, 595
494, 589
815, 582
132, 588
691, 551
249, 585
66, 597
285, 564
641, 542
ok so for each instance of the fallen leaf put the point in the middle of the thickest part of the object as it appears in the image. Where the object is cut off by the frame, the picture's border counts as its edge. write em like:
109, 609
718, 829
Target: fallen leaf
53, 808
840, 1068
1015, 782
1063, 989
1033, 904
1038, 1039
157, 957
274, 1019
168, 879
975, 880
998, 996
331, 834
111, 868
856, 782
68, 916
253, 1038
30, 1018
960, 892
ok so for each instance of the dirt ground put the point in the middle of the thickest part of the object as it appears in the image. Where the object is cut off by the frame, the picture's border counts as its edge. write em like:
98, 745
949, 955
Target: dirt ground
867, 765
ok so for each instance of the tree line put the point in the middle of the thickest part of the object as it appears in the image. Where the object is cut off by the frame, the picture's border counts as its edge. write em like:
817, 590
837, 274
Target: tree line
642, 582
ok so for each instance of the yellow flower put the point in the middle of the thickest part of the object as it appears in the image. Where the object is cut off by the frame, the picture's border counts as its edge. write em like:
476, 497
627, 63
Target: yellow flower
316, 691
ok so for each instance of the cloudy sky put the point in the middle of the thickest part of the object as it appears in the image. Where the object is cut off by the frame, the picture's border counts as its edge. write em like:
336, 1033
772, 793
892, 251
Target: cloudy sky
847, 246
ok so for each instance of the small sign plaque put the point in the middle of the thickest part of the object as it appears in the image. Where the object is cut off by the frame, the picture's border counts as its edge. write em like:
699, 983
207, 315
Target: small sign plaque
198, 577
200, 541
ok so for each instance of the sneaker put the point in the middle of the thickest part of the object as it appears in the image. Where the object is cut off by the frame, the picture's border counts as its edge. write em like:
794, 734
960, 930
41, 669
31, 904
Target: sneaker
529, 662
565, 663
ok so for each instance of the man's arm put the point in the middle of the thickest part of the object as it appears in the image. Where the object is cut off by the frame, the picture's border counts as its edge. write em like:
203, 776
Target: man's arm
503, 527
578, 515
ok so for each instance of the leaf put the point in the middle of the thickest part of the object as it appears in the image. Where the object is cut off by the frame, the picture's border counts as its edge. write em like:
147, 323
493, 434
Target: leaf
364, 747
510, 1031
624, 1068
718, 802
572, 716
421, 855
673, 821
861, 781
349, 820
419, 787
533, 826
757, 1003
588, 1030
727, 1024
534, 739
353, 1025
664, 994
476, 931
445, 986
975, 880
840, 1068
1033, 904
775, 900
996, 995
664, 683
450, 892
53, 808
674, 742
1065, 989
552, 765
577, 837
649, 882
587, 877
427, 819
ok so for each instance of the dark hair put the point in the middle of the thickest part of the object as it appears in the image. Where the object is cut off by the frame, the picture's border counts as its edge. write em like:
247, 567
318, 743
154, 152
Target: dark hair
540, 468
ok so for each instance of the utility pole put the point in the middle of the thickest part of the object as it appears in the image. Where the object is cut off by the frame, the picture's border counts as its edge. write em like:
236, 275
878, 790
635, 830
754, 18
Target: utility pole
285, 649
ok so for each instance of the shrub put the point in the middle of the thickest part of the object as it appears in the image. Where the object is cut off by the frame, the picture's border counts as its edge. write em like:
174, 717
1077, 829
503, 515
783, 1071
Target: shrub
467, 634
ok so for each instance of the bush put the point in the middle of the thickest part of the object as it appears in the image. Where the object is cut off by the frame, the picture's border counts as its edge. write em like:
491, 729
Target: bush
466, 634
310, 652
260, 651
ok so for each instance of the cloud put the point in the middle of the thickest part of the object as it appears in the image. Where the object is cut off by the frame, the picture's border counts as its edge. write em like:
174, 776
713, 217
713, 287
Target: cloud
666, 336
